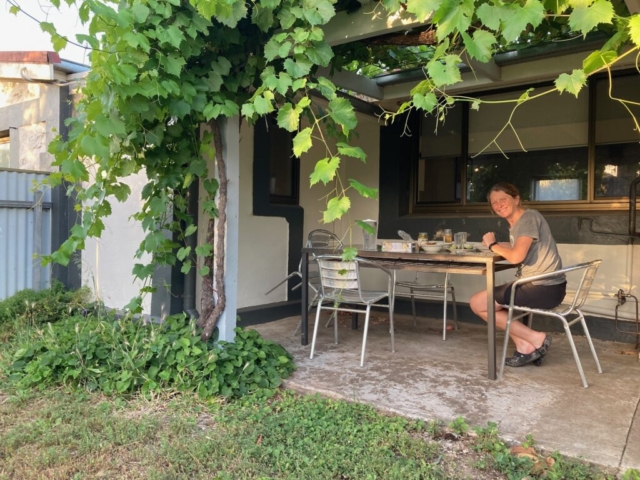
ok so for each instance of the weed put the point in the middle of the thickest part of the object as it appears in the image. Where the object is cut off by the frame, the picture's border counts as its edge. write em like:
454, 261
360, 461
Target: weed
631, 474
31, 308
529, 441
119, 356
434, 427
459, 426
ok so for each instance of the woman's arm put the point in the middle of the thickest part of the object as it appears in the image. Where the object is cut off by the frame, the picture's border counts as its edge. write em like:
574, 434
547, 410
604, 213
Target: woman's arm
514, 255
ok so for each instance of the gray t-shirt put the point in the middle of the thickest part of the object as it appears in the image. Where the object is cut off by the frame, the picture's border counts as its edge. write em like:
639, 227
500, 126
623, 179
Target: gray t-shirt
542, 256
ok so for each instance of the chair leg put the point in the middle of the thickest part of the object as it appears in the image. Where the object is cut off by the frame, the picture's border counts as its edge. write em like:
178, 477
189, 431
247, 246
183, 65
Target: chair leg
506, 342
567, 330
335, 327
593, 349
391, 329
309, 308
315, 329
455, 309
444, 315
333, 315
364, 334
413, 306
530, 321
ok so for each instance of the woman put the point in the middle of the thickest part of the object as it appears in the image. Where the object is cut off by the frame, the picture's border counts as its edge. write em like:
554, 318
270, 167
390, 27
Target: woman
532, 246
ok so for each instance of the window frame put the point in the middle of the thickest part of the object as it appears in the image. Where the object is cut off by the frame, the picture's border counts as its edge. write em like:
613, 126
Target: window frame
609, 204
5, 138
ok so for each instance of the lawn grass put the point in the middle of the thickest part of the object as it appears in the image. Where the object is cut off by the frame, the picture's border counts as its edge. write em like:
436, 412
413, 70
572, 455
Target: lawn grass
60, 433
56, 433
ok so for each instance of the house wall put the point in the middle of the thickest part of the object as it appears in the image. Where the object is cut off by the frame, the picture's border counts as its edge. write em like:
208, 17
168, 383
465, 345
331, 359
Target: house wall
260, 271
263, 241
30, 112
107, 261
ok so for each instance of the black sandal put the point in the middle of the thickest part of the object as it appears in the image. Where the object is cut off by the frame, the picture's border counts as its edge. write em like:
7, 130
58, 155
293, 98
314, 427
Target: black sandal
543, 350
522, 359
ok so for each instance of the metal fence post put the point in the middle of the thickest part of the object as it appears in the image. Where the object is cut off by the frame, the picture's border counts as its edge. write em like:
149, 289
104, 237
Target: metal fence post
37, 242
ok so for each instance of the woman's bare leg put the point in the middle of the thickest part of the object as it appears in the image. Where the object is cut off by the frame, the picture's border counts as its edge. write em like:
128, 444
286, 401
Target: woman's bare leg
525, 339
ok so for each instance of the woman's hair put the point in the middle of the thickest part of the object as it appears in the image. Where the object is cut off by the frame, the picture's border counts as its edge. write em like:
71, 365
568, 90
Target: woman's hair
505, 187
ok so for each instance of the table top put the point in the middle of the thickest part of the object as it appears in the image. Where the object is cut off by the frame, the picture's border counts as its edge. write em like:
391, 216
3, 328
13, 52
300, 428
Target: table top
467, 262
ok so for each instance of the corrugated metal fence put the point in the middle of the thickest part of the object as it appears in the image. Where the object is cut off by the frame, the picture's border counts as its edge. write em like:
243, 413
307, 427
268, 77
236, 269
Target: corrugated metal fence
25, 231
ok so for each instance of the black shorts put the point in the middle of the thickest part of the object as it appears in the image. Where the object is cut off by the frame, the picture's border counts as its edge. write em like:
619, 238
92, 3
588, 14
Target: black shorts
532, 296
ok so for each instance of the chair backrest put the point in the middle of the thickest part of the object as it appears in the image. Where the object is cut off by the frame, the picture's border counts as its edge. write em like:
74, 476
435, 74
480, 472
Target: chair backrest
582, 291
323, 238
337, 274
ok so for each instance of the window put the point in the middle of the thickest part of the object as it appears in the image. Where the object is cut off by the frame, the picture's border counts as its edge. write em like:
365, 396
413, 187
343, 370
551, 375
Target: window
440, 161
283, 166
569, 162
617, 150
553, 129
5, 150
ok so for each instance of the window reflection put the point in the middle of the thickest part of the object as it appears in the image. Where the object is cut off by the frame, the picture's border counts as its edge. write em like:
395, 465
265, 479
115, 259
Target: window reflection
617, 149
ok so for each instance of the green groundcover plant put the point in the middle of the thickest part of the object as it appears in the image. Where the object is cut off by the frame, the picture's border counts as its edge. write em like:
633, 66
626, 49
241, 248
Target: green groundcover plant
39, 307
121, 356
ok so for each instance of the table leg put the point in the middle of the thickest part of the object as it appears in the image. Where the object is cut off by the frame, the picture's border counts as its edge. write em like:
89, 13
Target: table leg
491, 321
304, 302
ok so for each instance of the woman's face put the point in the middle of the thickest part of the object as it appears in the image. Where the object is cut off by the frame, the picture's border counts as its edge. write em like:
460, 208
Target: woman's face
504, 204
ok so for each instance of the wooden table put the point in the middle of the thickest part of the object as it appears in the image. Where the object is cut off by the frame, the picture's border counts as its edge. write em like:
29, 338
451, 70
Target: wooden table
469, 263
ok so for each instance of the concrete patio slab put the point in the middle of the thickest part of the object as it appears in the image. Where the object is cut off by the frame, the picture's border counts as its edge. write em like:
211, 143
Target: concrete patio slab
429, 378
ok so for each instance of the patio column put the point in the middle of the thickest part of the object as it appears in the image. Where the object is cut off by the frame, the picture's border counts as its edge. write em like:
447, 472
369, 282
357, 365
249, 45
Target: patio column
230, 129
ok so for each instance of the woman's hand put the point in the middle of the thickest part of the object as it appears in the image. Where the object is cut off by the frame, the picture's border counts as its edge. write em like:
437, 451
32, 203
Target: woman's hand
488, 238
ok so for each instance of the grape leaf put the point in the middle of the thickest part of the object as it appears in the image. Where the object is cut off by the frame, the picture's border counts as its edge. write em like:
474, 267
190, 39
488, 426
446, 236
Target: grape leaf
336, 208
585, 18
363, 190
302, 142
571, 83
325, 170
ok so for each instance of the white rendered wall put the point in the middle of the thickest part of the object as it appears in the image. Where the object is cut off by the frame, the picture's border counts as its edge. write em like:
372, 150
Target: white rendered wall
107, 261
263, 241
312, 198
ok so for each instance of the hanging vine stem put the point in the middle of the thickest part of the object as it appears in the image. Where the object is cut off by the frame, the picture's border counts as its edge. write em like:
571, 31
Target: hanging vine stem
211, 310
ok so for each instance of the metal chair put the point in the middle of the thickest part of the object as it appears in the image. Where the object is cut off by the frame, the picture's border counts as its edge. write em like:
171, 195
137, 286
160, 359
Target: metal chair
340, 284
317, 238
570, 306
438, 292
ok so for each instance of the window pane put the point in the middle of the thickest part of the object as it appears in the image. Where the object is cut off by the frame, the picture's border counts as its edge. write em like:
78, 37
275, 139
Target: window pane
560, 173
554, 131
281, 163
551, 121
440, 158
5, 158
617, 148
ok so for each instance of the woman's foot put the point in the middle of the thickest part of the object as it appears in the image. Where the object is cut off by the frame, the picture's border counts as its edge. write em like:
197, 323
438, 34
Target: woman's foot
543, 350
522, 359
546, 344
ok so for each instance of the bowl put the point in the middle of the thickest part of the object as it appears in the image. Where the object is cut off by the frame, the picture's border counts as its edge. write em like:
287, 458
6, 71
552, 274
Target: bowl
432, 247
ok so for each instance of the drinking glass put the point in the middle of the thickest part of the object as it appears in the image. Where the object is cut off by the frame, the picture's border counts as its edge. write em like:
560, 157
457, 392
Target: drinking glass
459, 239
369, 240
447, 236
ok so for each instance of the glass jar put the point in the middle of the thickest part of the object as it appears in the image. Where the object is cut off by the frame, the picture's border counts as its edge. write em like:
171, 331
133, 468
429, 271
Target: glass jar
447, 235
